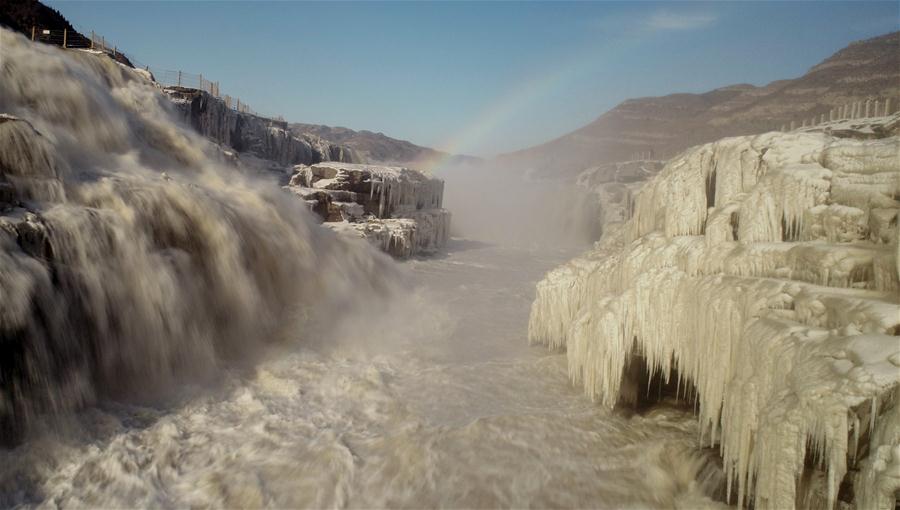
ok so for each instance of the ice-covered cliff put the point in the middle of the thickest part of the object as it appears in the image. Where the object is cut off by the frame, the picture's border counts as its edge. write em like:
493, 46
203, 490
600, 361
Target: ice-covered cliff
248, 133
758, 277
614, 185
397, 209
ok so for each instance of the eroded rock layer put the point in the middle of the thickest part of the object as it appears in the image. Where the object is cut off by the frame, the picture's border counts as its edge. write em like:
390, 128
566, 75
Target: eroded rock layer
761, 272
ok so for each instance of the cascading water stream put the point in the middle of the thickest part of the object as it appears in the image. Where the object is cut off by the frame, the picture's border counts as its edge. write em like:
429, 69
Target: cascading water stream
132, 257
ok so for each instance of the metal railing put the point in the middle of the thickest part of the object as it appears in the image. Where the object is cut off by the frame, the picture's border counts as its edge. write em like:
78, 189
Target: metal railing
172, 78
869, 108
168, 78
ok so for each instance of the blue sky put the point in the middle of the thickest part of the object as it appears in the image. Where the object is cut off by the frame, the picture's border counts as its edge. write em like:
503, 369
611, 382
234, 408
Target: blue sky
475, 77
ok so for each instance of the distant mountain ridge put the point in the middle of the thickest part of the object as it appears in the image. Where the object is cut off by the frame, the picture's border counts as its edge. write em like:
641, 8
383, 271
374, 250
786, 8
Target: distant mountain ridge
369, 146
660, 127
374, 147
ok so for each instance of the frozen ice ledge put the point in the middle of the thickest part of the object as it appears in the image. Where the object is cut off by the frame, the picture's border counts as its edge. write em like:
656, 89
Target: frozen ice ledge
758, 276
396, 209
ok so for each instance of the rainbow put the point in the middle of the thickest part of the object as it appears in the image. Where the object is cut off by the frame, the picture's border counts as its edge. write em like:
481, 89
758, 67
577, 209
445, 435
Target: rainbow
526, 93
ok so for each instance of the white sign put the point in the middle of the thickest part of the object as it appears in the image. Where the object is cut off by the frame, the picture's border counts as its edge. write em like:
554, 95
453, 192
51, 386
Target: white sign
46, 32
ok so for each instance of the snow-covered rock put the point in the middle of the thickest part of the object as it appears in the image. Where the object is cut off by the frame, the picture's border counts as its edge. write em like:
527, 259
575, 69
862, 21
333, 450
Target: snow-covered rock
397, 209
614, 186
759, 274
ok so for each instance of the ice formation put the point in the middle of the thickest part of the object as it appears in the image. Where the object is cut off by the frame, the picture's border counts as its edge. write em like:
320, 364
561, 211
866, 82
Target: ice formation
131, 260
762, 273
397, 209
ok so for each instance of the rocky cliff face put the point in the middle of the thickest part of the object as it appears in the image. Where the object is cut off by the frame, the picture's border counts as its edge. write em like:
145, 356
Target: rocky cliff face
758, 277
397, 209
247, 133
666, 125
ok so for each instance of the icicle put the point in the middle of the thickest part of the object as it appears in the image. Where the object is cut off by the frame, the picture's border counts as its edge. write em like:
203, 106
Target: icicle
749, 324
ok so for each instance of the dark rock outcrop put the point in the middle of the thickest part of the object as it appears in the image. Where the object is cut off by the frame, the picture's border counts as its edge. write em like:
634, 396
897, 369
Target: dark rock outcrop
24, 15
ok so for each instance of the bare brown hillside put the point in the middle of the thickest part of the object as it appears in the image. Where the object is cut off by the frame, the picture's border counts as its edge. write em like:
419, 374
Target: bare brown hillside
662, 126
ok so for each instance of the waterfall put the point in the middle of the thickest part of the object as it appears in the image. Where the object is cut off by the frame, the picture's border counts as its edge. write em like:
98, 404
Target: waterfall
133, 257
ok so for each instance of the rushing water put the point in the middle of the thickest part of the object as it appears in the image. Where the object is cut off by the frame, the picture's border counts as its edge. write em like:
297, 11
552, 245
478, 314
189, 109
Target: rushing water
173, 333
439, 402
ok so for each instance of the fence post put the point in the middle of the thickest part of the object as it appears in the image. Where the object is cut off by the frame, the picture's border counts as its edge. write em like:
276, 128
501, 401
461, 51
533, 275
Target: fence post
103, 42
201, 81
92, 39
65, 36
32, 32
179, 78
887, 107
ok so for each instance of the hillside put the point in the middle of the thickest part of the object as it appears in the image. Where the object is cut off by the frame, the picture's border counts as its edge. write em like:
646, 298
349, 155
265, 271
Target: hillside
372, 147
24, 16
21, 15
663, 126
378, 147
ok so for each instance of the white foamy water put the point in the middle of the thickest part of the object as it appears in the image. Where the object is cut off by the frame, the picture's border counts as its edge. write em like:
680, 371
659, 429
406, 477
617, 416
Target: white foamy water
438, 403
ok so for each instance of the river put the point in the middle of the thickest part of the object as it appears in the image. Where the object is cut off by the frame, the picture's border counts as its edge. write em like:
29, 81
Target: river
439, 402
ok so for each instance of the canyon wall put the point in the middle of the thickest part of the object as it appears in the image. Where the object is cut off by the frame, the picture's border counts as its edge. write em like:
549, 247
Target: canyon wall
758, 276
247, 133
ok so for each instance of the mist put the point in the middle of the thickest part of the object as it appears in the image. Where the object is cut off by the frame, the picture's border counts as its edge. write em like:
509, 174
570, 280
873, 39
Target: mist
503, 205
